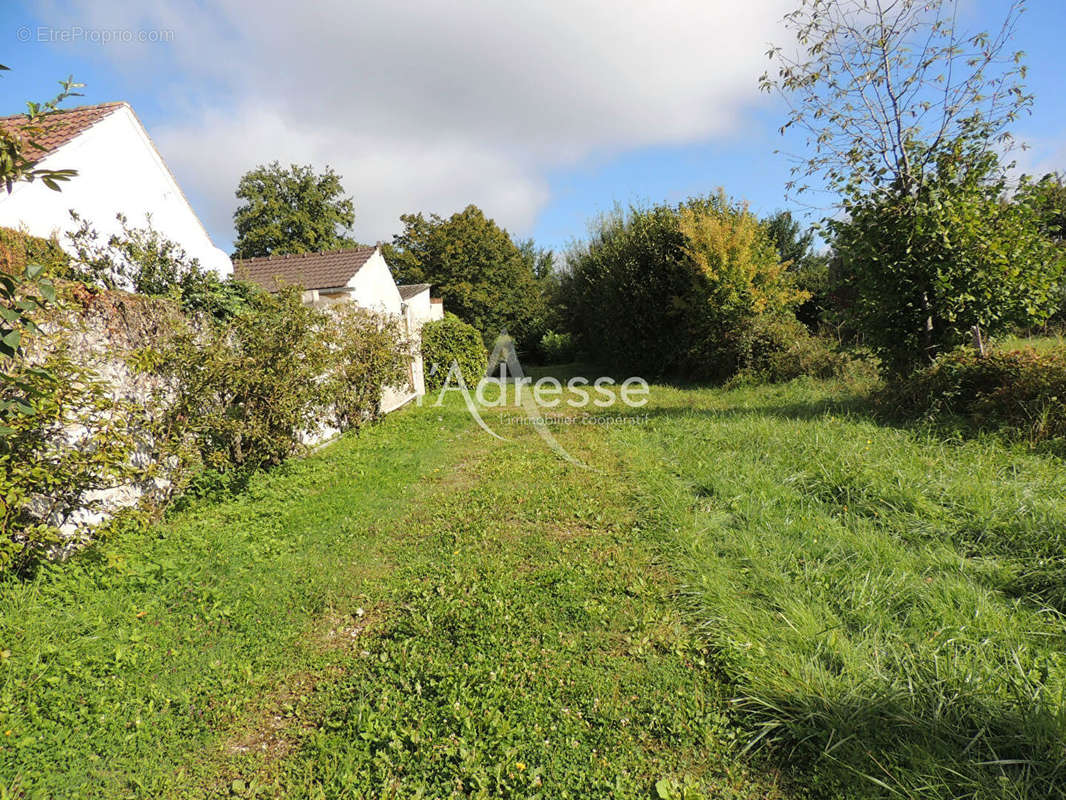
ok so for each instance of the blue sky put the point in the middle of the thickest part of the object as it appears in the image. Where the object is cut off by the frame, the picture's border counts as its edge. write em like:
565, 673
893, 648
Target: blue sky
544, 116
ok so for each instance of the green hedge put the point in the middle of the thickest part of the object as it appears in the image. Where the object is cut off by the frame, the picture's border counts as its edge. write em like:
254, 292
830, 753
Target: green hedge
19, 249
451, 341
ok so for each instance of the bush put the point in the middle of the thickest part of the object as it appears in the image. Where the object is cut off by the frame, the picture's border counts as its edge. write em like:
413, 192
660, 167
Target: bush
144, 261
19, 249
777, 349
368, 353
451, 341
246, 389
670, 290
1022, 391
70, 439
557, 348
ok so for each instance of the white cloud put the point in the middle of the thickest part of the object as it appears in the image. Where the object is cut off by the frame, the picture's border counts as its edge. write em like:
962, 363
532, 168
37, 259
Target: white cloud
434, 104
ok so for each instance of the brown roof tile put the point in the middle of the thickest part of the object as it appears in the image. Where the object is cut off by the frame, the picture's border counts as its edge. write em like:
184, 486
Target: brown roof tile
308, 270
412, 289
59, 127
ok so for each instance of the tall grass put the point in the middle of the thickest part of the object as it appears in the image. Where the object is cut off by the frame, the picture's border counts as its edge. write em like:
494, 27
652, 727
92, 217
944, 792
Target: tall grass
883, 601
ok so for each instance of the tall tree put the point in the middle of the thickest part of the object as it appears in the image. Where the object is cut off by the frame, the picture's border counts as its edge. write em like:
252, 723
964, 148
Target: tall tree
906, 115
293, 210
884, 87
479, 272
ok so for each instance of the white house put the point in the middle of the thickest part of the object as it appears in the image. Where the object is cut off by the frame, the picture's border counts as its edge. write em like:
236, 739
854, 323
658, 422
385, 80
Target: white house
357, 275
119, 171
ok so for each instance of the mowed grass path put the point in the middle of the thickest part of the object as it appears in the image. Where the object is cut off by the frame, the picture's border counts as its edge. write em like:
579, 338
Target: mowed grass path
752, 578
423, 611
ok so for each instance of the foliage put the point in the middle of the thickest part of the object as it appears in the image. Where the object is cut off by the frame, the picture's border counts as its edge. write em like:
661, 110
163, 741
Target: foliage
557, 348
142, 260
72, 440
451, 341
246, 389
475, 267
810, 271
883, 89
779, 348
19, 250
368, 353
294, 210
21, 151
670, 290
1023, 391
20, 300
923, 269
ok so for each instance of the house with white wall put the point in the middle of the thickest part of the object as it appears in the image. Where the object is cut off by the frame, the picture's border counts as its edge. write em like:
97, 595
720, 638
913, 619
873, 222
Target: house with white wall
357, 275
119, 172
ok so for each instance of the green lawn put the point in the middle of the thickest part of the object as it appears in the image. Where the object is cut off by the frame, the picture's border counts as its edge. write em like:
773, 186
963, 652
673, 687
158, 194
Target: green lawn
756, 593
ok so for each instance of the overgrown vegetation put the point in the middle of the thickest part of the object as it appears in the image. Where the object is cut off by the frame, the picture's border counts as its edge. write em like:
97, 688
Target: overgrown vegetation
885, 604
1023, 391
447, 342
141, 260
676, 290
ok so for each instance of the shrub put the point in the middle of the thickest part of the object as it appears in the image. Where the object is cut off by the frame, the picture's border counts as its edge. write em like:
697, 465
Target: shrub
671, 289
781, 348
247, 388
1022, 390
368, 353
557, 348
144, 261
19, 249
71, 439
451, 341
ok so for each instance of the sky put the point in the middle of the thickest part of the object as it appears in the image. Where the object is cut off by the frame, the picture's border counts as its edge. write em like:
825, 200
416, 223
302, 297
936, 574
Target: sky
545, 114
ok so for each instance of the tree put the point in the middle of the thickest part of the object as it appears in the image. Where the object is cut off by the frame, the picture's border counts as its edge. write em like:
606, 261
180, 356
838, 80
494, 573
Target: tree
809, 270
884, 87
675, 290
925, 271
479, 272
905, 115
291, 210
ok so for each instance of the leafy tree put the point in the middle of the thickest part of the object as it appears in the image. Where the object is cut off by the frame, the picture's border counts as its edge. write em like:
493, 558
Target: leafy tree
674, 289
905, 114
479, 272
924, 270
291, 210
1048, 198
809, 270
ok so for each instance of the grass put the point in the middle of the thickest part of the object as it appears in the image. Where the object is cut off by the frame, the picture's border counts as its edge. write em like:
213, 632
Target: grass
759, 592
885, 603
1052, 342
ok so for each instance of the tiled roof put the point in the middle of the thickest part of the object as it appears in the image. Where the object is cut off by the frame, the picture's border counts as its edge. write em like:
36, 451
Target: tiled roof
59, 127
412, 289
308, 270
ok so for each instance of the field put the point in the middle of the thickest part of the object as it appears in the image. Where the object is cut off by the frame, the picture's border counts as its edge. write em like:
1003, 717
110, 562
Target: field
758, 592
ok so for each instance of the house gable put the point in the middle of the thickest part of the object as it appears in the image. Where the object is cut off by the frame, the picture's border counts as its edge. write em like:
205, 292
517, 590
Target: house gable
119, 171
